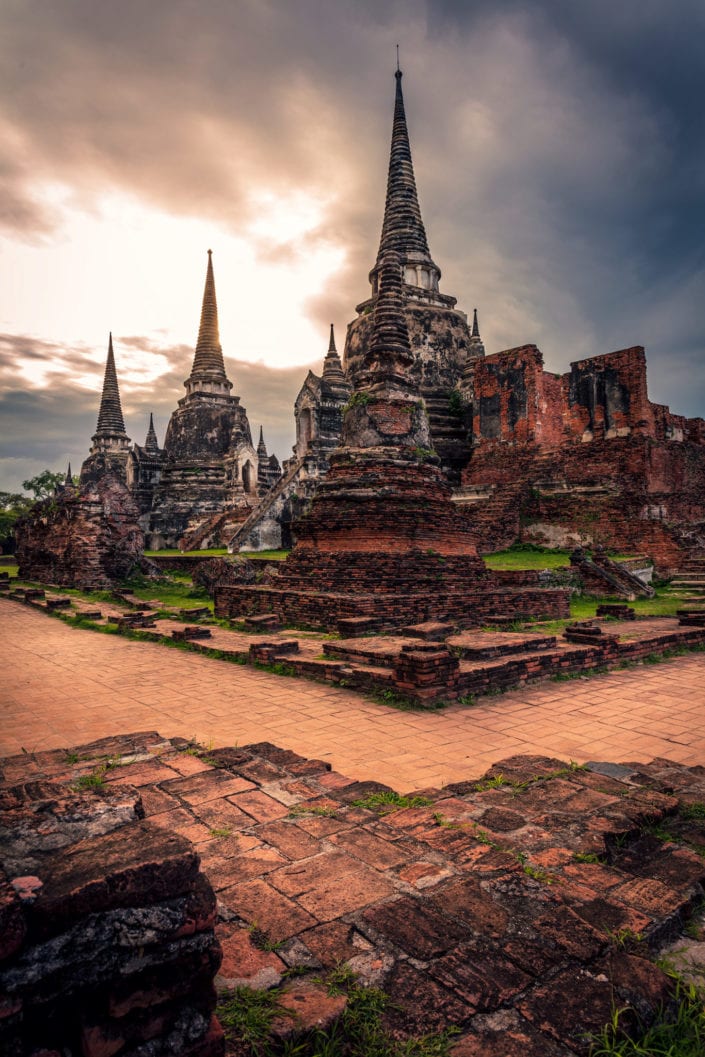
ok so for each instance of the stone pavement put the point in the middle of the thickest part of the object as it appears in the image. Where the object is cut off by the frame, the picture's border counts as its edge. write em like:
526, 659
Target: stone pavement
473, 906
62, 686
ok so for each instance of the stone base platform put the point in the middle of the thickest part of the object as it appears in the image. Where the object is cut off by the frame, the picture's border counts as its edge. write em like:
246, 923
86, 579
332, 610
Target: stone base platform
518, 907
392, 609
429, 663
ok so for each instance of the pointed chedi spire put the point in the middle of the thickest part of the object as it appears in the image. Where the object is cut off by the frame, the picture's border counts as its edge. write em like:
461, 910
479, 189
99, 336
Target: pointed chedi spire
208, 370
151, 443
402, 228
333, 372
110, 420
261, 447
68, 480
476, 349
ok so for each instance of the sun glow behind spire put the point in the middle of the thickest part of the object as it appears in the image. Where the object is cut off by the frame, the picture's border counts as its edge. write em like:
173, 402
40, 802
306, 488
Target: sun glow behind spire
117, 263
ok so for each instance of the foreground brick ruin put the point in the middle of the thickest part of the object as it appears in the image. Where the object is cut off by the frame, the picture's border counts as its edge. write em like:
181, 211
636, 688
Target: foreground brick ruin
520, 906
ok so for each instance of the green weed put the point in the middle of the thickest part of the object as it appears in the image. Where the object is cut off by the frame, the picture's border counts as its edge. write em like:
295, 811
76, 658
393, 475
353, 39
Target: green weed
677, 1034
390, 801
303, 809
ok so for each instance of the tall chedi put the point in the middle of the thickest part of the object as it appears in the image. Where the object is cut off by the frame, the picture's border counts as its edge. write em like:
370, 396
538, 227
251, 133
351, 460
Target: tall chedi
382, 539
110, 445
210, 465
438, 332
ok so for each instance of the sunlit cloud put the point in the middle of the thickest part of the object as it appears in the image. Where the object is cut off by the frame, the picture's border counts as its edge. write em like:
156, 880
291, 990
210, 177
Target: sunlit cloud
561, 173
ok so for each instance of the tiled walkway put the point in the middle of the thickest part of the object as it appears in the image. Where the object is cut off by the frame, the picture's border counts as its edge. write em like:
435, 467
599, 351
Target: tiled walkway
60, 686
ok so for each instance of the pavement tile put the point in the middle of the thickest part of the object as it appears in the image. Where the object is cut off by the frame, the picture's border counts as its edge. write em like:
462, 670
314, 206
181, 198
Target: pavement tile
257, 903
330, 885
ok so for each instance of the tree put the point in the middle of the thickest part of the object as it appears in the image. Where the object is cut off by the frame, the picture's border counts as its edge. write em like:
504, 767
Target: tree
44, 484
12, 506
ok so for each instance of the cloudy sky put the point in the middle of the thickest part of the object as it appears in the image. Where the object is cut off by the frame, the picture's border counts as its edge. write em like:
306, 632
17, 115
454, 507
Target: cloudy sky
559, 150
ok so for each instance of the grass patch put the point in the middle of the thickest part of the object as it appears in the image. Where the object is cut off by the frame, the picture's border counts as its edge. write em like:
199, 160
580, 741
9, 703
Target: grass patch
680, 1033
303, 809
538, 558
390, 801
169, 552
247, 1017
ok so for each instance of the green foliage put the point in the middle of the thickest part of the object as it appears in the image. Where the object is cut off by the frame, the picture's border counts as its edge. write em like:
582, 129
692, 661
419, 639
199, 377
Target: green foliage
12, 507
455, 404
695, 810
44, 484
677, 1033
390, 801
527, 556
390, 696
357, 400
247, 1017
304, 809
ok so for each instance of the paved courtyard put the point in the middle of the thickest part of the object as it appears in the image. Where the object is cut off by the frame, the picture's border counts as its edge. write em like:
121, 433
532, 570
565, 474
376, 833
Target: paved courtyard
62, 686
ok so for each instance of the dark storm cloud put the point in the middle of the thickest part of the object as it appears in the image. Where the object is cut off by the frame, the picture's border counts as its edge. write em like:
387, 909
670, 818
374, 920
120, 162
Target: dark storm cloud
559, 152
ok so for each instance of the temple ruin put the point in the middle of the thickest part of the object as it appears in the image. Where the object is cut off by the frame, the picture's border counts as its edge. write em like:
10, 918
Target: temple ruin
579, 459
583, 459
383, 541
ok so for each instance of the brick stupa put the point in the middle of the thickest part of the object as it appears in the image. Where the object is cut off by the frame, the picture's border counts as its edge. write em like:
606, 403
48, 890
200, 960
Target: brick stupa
438, 331
209, 468
110, 445
383, 539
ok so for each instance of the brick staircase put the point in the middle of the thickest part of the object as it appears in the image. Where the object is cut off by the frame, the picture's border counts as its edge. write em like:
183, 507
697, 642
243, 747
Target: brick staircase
264, 506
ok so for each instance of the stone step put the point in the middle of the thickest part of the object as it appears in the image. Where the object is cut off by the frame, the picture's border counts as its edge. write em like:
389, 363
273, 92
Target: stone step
485, 645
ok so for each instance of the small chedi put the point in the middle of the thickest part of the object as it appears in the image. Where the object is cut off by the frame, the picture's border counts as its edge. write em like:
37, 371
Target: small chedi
383, 540
318, 411
210, 467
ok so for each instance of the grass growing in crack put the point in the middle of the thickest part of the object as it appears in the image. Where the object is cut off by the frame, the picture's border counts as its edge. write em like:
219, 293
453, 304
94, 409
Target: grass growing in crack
394, 699
247, 1016
390, 801
96, 779
261, 939
581, 856
224, 831
304, 809
625, 939
680, 1033
694, 811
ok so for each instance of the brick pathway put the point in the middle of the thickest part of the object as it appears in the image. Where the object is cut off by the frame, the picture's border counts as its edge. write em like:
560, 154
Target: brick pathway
61, 686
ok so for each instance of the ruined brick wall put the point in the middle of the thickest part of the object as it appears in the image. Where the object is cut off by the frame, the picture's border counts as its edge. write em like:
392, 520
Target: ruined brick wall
606, 396
515, 401
87, 538
583, 459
